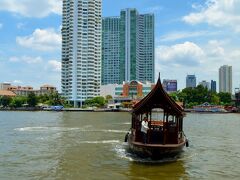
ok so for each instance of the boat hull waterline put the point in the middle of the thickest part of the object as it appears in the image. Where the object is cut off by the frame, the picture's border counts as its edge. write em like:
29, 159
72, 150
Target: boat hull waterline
155, 151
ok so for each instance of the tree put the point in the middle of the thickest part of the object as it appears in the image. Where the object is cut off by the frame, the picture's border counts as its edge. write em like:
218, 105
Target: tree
98, 101
18, 101
55, 99
32, 100
108, 97
225, 98
5, 101
215, 98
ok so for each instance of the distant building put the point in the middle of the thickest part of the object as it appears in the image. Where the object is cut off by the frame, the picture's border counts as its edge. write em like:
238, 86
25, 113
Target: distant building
26, 90
4, 86
170, 85
108, 89
7, 93
132, 90
191, 81
213, 86
237, 97
225, 79
205, 84
136, 89
47, 89
21, 90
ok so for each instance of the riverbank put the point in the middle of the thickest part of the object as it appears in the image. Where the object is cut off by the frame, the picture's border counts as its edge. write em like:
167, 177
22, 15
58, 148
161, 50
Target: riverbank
99, 110
66, 109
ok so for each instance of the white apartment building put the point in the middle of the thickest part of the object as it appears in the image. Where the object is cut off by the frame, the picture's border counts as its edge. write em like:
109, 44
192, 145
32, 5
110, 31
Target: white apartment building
81, 49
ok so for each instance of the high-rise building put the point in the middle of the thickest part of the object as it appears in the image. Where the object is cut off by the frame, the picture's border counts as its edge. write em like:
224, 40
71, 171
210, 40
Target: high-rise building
191, 81
213, 86
81, 49
205, 84
225, 79
169, 85
128, 47
111, 50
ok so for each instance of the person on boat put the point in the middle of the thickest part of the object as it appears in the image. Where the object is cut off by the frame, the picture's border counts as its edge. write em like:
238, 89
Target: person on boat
144, 129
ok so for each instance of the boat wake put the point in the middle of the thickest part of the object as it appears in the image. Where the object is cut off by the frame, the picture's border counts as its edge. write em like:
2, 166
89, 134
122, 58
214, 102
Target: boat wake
100, 142
45, 129
83, 129
122, 152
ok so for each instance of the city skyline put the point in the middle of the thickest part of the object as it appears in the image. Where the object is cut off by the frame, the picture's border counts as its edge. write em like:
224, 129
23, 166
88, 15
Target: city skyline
196, 37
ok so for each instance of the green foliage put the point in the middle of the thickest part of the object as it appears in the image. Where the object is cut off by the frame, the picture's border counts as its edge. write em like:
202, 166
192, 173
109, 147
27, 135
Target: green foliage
55, 99
108, 97
18, 101
225, 98
5, 101
32, 100
198, 95
43, 98
98, 101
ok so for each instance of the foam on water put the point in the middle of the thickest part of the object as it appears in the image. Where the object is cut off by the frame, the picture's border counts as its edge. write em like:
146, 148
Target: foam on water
84, 129
100, 142
45, 129
121, 150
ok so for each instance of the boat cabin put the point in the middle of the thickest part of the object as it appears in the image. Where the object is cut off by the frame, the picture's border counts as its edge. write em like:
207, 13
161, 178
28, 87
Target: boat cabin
164, 115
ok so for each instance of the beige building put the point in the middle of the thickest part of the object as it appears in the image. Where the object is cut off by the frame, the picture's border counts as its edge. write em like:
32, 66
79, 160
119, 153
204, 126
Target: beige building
7, 93
10, 90
4, 86
225, 79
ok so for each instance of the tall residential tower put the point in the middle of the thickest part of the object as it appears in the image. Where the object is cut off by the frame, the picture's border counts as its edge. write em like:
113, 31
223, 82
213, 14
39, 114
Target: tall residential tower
225, 79
81, 49
111, 50
128, 47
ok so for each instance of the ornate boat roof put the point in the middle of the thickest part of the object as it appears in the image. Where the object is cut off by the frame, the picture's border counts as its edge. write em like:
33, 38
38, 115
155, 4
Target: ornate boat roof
158, 98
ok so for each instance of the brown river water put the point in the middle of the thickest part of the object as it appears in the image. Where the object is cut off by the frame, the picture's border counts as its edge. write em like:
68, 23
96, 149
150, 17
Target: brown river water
90, 145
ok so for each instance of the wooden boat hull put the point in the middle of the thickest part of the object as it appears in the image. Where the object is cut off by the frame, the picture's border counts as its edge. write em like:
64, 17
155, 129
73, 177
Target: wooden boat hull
155, 151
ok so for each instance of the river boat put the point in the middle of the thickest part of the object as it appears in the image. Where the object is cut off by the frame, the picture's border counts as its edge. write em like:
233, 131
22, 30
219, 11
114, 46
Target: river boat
206, 107
165, 136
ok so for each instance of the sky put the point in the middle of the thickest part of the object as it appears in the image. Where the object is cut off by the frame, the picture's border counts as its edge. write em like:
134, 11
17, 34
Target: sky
191, 37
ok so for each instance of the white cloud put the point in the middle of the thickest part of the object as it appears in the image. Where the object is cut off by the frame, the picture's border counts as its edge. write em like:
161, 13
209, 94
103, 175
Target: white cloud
17, 82
42, 40
186, 54
154, 9
173, 36
54, 65
32, 8
26, 59
219, 13
204, 60
20, 25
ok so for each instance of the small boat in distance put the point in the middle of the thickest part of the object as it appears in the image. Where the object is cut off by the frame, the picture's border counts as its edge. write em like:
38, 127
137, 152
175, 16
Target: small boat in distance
165, 136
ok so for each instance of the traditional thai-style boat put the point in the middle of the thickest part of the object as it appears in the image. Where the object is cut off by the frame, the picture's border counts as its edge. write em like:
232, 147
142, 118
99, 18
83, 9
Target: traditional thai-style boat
165, 136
